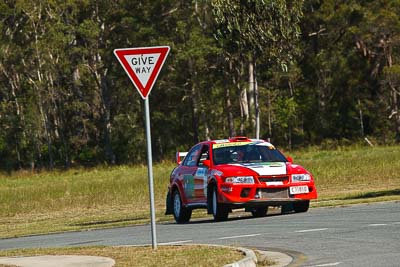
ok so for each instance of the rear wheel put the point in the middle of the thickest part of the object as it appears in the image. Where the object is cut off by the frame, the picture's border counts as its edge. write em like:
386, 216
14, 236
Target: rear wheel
181, 213
301, 206
259, 212
219, 210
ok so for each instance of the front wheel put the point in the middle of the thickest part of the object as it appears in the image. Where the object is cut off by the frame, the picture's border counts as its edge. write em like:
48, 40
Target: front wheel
301, 206
181, 213
219, 210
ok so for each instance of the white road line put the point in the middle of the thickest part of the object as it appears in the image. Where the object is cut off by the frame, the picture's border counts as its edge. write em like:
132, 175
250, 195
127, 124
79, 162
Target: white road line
377, 224
328, 264
238, 236
311, 230
176, 242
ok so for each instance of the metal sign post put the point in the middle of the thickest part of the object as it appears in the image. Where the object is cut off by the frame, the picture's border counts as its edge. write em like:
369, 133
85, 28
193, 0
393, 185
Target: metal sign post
143, 64
150, 174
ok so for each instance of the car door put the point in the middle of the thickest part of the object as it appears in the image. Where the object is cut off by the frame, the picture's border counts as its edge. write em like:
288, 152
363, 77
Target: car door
193, 174
201, 175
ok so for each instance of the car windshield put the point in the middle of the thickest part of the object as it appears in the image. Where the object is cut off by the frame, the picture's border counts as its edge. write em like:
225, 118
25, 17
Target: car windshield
246, 153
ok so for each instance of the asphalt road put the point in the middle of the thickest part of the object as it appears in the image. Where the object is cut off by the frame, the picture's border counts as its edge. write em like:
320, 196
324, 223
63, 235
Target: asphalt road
359, 235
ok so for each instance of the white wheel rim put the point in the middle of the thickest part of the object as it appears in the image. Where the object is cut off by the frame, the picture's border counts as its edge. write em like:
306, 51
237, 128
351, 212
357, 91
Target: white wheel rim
177, 205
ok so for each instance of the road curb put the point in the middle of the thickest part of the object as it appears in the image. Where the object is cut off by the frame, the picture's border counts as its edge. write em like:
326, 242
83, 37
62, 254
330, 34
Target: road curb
279, 259
250, 259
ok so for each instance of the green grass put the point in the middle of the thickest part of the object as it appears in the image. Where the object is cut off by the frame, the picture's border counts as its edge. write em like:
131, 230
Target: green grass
78, 199
348, 173
144, 256
117, 196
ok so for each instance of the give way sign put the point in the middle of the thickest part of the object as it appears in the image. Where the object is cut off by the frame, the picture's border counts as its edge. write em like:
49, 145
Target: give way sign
142, 64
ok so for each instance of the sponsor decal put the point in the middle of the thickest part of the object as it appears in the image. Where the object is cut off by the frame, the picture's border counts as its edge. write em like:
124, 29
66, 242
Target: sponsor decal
188, 184
216, 172
230, 144
201, 174
274, 183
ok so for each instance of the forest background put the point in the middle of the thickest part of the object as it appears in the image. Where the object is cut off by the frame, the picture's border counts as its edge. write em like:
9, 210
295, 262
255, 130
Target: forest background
299, 73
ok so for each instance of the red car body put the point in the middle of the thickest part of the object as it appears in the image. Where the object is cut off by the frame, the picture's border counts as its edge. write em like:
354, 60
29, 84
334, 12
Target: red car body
221, 175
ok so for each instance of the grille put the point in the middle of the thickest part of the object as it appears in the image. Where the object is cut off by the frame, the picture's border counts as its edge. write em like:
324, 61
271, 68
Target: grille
274, 193
274, 179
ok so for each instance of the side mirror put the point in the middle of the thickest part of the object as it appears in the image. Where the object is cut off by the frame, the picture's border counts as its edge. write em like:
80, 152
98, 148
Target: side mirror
290, 159
207, 163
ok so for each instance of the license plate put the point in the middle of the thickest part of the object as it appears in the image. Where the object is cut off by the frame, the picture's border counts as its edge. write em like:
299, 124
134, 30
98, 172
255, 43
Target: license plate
299, 190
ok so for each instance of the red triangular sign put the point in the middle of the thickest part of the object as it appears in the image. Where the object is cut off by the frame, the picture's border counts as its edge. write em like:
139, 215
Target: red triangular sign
142, 64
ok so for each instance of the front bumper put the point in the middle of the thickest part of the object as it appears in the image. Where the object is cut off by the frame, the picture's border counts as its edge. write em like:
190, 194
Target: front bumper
260, 195
263, 203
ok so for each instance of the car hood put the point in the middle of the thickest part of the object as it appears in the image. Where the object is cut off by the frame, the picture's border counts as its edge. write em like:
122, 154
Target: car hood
261, 169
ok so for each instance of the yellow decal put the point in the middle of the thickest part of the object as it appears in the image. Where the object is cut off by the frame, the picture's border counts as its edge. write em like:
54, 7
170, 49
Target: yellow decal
230, 144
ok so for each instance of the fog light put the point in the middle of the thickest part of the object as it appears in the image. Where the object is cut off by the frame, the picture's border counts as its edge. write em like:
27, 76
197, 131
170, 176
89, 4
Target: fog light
245, 192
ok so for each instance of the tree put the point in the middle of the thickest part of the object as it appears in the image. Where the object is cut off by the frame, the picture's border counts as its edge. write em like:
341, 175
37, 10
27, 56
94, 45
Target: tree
377, 38
259, 28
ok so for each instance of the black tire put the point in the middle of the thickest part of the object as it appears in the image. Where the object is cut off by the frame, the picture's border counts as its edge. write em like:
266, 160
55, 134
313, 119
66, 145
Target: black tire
259, 212
220, 211
301, 206
181, 213
168, 204
287, 208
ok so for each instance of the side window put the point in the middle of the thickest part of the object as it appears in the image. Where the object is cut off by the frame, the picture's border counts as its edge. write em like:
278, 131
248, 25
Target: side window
193, 156
204, 154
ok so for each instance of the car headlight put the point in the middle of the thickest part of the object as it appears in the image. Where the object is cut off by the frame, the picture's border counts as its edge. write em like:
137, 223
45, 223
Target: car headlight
301, 177
240, 180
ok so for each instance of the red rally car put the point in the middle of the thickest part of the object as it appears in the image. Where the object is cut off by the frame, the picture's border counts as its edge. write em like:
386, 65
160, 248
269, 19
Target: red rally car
222, 175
